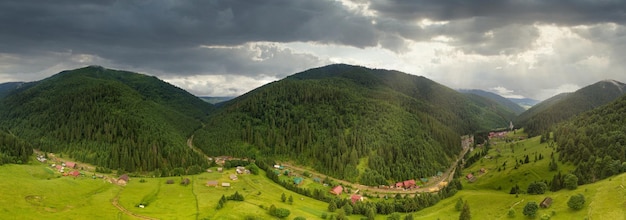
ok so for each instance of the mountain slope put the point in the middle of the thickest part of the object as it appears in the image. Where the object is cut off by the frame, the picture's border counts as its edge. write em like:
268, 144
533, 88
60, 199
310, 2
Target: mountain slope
392, 125
6, 88
594, 141
541, 117
510, 105
115, 119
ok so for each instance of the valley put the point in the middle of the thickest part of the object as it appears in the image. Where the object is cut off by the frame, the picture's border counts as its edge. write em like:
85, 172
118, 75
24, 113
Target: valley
340, 142
35, 192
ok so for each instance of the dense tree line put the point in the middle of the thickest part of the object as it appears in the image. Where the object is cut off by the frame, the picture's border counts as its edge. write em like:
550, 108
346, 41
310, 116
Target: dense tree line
406, 203
112, 119
13, 149
594, 142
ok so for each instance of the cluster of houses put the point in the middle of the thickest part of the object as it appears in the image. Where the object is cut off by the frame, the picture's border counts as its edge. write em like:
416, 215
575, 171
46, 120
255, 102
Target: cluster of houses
337, 190
67, 169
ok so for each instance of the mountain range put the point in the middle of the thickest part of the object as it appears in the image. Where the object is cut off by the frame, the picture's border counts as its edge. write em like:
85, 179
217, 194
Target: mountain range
366, 125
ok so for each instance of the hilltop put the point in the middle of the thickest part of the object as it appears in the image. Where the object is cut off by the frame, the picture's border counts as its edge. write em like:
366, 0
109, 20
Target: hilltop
541, 117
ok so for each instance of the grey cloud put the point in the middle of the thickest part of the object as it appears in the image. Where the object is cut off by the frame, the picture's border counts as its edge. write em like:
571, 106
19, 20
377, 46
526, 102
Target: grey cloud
564, 12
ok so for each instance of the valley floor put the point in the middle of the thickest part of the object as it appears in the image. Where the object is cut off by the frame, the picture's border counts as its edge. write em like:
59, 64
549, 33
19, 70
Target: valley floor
35, 191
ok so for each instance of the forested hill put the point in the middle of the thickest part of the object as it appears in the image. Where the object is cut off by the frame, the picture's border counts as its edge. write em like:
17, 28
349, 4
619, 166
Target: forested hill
541, 117
392, 125
114, 119
595, 141
509, 105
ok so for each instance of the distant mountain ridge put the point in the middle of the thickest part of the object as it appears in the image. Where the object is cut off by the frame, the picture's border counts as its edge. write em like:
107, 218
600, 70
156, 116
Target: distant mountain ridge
526, 103
510, 105
6, 88
541, 117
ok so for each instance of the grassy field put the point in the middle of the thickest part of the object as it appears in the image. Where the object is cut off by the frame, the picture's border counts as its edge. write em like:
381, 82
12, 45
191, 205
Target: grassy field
35, 191
489, 196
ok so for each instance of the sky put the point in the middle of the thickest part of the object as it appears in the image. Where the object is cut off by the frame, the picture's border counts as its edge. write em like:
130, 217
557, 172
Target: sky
515, 48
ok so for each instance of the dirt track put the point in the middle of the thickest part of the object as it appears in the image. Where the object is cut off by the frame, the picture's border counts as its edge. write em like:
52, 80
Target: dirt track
115, 203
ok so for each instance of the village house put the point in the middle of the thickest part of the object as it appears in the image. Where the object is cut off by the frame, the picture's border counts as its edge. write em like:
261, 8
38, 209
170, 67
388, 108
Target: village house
212, 183
399, 184
233, 176
123, 179
483, 170
470, 177
220, 169
41, 158
225, 184
409, 183
355, 197
70, 165
546, 203
337, 190
298, 180
75, 173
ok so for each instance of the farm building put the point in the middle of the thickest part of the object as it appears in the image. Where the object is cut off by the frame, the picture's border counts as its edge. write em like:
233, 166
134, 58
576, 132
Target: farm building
70, 165
546, 203
470, 177
399, 184
211, 183
233, 177
354, 198
75, 173
409, 183
225, 184
123, 179
337, 190
298, 180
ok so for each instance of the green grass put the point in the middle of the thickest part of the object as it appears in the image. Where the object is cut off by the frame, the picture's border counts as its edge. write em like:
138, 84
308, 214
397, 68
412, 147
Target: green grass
489, 196
32, 192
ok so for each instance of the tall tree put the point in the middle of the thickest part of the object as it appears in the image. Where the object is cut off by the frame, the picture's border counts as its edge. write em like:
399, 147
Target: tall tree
465, 213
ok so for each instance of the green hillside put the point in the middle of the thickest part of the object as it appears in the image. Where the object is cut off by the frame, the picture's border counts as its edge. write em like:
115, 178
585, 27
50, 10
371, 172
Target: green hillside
354, 123
114, 119
541, 117
595, 141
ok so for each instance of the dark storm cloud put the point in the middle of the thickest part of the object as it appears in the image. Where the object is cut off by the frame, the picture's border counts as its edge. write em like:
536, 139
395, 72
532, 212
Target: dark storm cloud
562, 12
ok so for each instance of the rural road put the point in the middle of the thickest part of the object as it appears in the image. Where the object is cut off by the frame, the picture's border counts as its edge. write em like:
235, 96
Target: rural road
430, 187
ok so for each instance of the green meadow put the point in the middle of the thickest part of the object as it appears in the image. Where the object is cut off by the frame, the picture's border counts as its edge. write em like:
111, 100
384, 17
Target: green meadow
34, 191
488, 196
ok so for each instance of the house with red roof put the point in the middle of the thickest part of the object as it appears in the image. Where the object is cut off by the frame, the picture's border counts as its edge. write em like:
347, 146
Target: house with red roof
354, 198
399, 185
337, 190
75, 173
409, 183
71, 165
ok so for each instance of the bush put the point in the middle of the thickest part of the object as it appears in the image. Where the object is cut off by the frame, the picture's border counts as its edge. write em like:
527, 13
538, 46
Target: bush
576, 202
530, 209
280, 212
